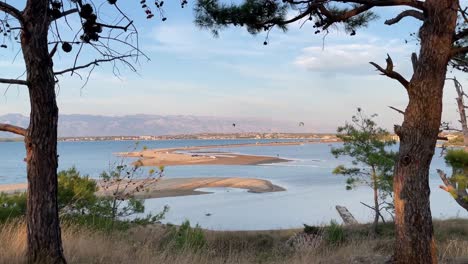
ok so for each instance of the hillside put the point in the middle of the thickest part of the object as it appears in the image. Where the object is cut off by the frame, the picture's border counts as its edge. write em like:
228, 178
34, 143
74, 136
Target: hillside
133, 125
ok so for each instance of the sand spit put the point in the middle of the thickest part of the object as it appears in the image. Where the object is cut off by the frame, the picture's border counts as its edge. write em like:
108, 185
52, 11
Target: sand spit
177, 186
192, 156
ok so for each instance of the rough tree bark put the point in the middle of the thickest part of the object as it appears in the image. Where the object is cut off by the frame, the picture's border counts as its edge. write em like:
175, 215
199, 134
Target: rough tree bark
43, 227
418, 136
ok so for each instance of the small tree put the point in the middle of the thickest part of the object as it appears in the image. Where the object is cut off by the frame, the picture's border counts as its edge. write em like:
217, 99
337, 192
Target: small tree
121, 184
373, 164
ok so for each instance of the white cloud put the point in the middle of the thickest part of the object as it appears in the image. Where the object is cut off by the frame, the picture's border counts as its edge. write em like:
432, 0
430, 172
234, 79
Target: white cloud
349, 58
188, 40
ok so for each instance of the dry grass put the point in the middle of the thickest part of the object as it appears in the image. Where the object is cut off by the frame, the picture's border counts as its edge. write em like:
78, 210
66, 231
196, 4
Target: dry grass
150, 245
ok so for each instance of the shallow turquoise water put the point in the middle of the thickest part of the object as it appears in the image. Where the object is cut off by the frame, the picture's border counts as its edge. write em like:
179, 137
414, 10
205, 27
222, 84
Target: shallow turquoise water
311, 195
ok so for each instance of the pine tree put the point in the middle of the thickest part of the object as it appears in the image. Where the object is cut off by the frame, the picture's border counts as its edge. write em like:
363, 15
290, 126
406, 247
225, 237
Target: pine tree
373, 163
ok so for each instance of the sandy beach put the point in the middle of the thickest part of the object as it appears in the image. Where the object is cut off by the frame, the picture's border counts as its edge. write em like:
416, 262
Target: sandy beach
177, 186
193, 156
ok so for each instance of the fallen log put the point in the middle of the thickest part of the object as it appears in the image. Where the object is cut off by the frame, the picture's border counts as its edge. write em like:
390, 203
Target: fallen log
348, 218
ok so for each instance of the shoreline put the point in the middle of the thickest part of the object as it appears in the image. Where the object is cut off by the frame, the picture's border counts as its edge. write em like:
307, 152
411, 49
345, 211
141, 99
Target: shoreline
181, 156
175, 187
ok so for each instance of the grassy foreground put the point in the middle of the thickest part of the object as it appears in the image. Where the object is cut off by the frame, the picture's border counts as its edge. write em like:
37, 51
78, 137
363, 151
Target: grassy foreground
160, 244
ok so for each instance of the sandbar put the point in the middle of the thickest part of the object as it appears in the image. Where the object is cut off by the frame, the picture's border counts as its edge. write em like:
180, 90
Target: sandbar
192, 155
175, 186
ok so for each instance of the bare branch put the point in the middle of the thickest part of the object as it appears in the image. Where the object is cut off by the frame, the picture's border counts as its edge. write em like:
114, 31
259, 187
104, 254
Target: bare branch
13, 129
9, 9
442, 138
66, 13
414, 61
95, 62
461, 34
460, 104
459, 51
13, 81
445, 126
368, 206
412, 13
388, 71
463, 12
54, 49
373, 208
459, 194
124, 28
396, 109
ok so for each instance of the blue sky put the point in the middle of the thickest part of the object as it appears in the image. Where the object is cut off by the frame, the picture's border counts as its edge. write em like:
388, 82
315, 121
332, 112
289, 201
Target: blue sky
299, 75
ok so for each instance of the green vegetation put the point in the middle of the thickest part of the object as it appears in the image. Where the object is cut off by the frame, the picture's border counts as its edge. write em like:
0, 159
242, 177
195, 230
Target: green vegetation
334, 233
79, 204
372, 162
75, 192
457, 159
184, 237
12, 206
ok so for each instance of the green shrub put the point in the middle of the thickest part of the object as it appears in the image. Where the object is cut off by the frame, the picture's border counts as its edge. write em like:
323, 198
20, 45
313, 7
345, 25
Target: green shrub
312, 230
75, 192
12, 205
186, 237
334, 233
457, 158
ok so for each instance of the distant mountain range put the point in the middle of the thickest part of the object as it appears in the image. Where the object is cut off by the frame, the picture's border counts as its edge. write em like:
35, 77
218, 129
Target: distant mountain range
135, 125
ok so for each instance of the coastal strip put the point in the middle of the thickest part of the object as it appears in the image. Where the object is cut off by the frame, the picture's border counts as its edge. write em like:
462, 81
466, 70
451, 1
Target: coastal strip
176, 186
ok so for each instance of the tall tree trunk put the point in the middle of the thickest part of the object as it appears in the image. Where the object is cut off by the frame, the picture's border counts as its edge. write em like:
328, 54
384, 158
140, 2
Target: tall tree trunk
43, 227
418, 135
376, 202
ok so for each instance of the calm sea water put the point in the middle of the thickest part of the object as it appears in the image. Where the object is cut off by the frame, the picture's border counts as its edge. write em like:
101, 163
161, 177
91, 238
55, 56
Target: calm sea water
311, 196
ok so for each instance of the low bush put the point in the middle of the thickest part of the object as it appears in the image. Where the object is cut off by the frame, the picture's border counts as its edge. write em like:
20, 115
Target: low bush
185, 237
